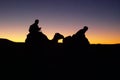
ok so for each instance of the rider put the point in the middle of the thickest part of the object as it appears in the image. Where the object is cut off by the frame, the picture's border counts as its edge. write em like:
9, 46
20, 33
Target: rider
34, 27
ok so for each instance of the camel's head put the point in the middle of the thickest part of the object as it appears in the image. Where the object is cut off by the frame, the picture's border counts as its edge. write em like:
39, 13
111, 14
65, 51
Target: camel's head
58, 36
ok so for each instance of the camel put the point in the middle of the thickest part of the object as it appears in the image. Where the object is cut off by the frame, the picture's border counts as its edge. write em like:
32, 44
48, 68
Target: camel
77, 39
39, 38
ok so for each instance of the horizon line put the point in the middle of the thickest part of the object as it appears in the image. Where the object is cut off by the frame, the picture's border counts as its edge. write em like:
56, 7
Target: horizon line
62, 42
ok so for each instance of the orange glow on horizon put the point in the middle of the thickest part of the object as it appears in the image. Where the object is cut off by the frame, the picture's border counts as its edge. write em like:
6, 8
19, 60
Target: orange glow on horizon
95, 37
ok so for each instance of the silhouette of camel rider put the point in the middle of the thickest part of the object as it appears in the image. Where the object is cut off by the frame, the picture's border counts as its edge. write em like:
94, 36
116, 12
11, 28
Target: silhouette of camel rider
80, 37
35, 36
34, 27
82, 31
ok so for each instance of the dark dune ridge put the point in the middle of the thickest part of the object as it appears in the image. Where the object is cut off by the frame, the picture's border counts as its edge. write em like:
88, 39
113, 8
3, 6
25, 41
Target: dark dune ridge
99, 60
101, 51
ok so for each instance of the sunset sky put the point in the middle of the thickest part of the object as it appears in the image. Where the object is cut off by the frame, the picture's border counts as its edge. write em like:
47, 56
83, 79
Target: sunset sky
64, 16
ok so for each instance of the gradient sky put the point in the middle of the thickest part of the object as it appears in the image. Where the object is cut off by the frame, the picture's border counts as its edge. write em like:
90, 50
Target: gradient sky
64, 16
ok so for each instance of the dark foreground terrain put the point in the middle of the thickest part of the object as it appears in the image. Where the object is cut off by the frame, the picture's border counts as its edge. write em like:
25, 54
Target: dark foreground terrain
19, 61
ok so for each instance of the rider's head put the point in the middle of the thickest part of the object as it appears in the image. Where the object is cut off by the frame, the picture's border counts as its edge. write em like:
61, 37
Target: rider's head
85, 28
36, 21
